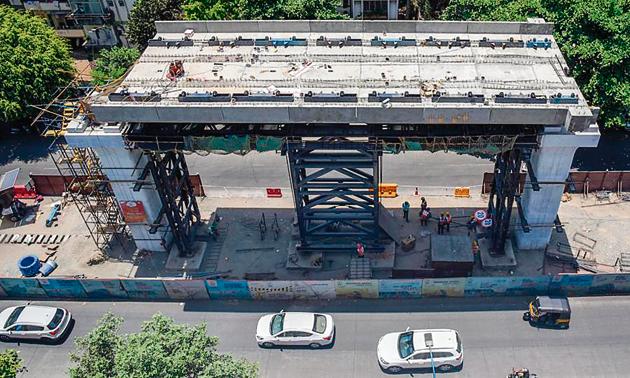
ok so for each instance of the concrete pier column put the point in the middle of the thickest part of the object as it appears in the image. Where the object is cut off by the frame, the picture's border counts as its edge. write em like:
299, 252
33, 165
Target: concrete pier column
123, 166
551, 163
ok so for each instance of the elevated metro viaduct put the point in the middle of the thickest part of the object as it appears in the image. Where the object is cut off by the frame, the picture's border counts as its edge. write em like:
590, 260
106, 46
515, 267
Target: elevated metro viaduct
334, 96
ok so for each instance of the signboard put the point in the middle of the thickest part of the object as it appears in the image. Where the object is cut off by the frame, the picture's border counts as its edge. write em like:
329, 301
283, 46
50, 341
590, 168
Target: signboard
443, 287
186, 289
104, 288
357, 289
271, 289
400, 288
228, 289
480, 215
314, 290
133, 211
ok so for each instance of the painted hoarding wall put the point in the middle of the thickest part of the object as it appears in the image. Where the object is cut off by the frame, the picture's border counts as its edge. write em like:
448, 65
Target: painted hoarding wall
179, 289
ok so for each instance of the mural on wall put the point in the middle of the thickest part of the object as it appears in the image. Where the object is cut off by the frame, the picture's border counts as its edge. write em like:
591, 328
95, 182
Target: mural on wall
357, 289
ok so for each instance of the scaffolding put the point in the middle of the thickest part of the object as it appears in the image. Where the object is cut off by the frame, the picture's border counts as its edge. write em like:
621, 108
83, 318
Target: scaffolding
90, 191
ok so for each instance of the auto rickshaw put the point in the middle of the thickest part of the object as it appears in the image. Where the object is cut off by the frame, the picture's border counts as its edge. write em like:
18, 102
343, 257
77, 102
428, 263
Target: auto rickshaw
547, 311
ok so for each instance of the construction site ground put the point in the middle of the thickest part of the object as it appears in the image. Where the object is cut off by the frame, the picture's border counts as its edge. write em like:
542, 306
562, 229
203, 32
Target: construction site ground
594, 230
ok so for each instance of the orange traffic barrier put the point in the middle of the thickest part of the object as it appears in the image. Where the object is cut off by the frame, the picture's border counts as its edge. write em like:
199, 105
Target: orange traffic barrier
462, 192
274, 193
388, 190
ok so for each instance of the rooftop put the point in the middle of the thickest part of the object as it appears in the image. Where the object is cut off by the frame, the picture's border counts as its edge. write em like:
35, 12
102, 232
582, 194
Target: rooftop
232, 69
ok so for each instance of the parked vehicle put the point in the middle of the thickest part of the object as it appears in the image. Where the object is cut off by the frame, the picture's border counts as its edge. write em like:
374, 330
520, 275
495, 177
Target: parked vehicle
521, 373
33, 322
547, 311
295, 328
417, 349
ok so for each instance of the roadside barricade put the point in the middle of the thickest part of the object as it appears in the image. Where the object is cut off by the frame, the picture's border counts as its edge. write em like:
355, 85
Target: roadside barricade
176, 289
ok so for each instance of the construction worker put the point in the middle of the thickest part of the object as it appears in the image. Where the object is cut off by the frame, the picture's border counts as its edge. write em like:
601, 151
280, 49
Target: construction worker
425, 215
441, 223
448, 221
472, 224
405, 208
360, 250
423, 204
475, 250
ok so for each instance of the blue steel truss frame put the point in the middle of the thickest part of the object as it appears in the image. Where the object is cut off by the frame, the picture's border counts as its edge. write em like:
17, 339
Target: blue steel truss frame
335, 188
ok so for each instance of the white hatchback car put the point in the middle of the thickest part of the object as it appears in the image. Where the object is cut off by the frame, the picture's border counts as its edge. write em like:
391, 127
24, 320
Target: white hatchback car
295, 328
33, 322
415, 349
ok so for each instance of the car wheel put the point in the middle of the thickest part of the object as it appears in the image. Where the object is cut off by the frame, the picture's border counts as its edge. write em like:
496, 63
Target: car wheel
445, 367
268, 345
5, 338
394, 369
314, 345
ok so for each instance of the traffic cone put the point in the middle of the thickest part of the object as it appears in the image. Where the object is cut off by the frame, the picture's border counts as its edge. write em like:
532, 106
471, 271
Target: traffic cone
416, 192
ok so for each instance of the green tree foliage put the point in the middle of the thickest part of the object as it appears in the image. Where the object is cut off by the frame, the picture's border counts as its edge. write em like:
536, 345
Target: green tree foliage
112, 64
262, 10
141, 25
161, 349
10, 364
34, 62
594, 36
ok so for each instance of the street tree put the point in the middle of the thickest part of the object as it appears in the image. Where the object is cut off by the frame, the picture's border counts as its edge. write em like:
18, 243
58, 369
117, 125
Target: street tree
262, 9
113, 63
161, 349
141, 25
594, 36
35, 63
10, 364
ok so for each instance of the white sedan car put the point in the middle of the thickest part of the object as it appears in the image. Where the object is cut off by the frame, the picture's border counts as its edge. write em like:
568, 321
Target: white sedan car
295, 328
417, 349
33, 322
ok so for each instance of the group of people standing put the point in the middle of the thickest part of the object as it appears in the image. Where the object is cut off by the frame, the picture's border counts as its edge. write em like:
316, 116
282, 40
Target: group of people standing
444, 221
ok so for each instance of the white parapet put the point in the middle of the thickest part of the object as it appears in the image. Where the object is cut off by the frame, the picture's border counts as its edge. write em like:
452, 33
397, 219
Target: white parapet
551, 163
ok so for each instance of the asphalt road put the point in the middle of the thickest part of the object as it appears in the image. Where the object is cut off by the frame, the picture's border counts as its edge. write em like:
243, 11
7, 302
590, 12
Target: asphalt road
494, 337
257, 170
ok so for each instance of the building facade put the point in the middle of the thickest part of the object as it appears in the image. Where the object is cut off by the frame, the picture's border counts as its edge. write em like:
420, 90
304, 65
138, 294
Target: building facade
85, 23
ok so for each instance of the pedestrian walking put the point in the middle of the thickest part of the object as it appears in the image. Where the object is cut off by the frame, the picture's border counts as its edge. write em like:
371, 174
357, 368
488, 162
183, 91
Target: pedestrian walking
405, 208
360, 250
448, 221
441, 223
425, 215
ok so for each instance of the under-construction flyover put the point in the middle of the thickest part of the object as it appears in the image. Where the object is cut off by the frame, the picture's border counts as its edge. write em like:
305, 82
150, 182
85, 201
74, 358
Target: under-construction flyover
333, 97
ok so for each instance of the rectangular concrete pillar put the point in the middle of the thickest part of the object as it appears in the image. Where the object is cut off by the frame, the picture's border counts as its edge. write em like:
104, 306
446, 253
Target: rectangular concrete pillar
118, 165
551, 163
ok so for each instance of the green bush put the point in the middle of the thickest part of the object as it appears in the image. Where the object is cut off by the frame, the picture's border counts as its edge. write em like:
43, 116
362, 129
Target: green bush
112, 64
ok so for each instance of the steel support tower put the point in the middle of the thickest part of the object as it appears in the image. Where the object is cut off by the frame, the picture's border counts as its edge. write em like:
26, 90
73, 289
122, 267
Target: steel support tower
335, 188
172, 181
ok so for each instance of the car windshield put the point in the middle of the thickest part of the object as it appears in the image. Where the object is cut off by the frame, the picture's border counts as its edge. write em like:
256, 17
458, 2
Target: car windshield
405, 344
276, 323
320, 323
54, 323
14, 316
459, 343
